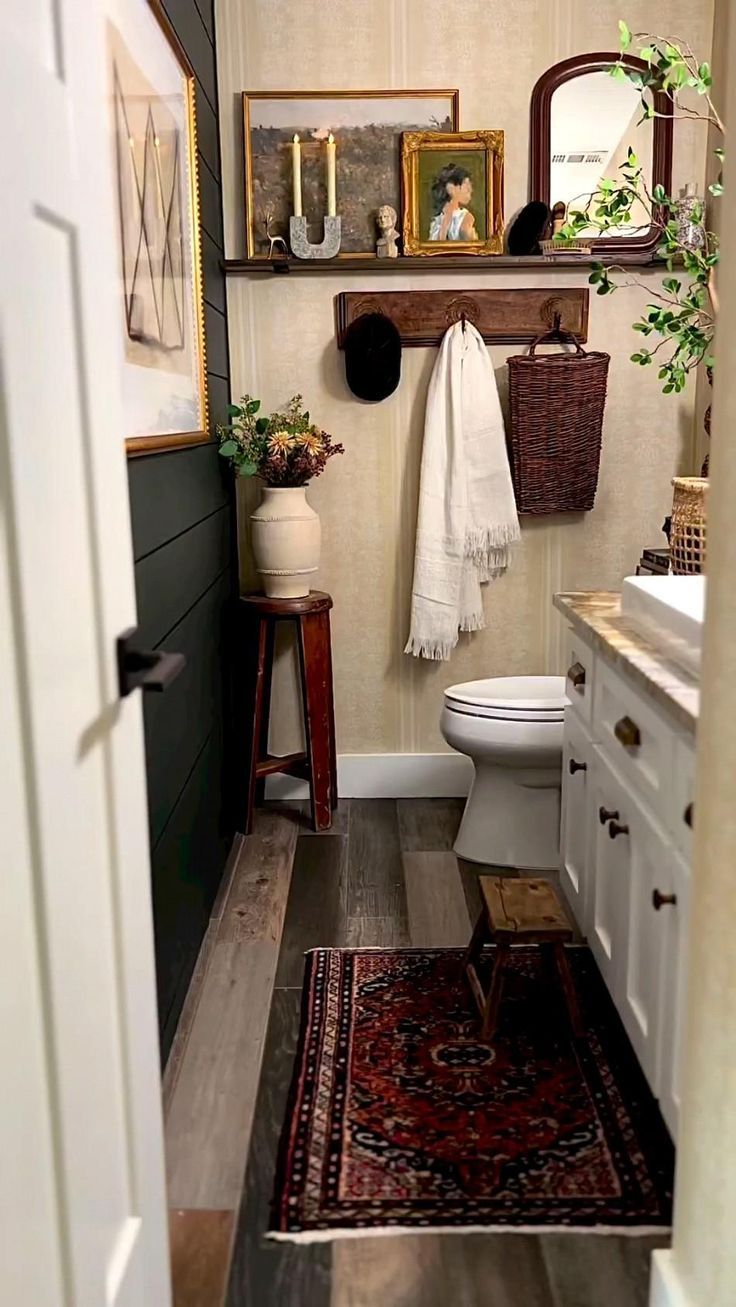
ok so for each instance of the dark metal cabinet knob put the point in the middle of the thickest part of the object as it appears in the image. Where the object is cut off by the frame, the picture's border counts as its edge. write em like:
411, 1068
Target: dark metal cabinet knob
627, 733
576, 676
660, 900
574, 766
607, 814
688, 815
616, 829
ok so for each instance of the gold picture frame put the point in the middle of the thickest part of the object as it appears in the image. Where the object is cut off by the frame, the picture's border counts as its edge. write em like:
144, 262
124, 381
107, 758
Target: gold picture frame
165, 368
478, 155
278, 114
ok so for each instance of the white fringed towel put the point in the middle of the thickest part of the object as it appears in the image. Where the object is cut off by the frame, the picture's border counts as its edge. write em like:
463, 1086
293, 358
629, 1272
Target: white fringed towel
467, 514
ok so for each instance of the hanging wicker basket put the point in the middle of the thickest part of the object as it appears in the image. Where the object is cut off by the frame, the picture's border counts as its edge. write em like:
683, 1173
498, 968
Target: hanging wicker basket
556, 404
689, 534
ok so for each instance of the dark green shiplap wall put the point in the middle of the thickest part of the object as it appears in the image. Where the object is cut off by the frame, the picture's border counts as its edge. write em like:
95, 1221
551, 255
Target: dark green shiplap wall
183, 536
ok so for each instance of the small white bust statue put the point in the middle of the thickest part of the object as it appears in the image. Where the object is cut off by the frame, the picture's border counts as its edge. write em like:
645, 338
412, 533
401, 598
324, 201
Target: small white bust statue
386, 243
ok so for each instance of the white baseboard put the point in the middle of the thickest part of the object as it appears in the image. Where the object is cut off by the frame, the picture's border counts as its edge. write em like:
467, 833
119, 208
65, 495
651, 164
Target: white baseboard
388, 776
665, 1289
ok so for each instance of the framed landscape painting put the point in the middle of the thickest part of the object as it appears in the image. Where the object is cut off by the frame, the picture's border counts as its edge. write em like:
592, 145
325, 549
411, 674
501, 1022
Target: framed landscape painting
367, 127
453, 192
154, 158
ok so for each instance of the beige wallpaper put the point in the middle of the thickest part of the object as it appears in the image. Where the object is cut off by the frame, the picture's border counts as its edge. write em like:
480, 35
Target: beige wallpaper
282, 340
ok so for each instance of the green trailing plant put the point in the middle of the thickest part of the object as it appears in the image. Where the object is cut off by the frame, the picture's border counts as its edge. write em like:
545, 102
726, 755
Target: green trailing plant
680, 319
285, 449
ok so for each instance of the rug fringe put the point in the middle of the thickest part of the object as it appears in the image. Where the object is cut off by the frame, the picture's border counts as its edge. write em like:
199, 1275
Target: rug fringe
387, 1231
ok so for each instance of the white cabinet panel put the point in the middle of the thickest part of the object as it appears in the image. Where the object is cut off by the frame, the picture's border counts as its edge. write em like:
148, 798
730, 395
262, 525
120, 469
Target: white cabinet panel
580, 663
575, 824
637, 739
610, 873
675, 919
651, 858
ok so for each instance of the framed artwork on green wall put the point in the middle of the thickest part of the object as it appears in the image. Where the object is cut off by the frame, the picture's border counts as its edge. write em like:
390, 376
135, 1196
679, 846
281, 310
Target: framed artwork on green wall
153, 151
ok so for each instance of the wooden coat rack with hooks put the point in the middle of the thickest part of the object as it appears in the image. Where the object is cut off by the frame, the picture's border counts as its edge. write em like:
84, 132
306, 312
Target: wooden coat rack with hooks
508, 316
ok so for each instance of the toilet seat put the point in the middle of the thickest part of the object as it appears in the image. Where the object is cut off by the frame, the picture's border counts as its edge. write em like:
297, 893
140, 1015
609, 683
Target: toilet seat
510, 698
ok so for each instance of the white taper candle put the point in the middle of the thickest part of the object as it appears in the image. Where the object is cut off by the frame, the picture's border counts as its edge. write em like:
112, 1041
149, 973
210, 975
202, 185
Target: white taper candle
331, 149
296, 164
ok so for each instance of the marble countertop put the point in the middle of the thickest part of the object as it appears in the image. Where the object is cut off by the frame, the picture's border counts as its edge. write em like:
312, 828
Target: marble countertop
596, 615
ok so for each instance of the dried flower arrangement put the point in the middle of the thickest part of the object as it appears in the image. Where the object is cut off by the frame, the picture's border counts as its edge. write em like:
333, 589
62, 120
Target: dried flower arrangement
285, 449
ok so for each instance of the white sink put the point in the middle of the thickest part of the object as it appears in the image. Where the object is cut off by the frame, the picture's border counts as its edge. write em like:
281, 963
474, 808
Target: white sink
669, 610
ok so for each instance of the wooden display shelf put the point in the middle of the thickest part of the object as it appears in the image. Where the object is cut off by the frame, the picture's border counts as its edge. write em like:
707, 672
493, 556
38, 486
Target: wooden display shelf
408, 267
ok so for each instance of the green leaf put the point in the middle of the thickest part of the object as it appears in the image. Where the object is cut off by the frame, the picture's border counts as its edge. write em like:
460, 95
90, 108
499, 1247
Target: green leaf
247, 469
716, 188
261, 426
228, 448
233, 410
705, 74
618, 73
672, 285
624, 34
648, 53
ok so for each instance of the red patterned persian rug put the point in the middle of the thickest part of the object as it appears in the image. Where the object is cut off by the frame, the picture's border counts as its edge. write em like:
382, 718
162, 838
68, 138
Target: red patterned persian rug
400, 1116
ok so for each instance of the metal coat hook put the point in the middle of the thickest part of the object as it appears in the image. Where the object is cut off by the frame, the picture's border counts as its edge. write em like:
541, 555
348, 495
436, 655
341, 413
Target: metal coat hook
462, 322
557, 324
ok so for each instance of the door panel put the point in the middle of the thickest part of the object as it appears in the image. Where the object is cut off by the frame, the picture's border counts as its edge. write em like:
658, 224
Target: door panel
77, 971
674, 987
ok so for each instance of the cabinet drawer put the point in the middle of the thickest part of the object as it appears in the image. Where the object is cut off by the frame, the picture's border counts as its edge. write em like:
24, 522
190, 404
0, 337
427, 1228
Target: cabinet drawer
637, 741
683, 795
580, 665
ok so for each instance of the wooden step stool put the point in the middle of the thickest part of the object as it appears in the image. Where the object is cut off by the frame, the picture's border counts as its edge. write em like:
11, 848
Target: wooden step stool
519, 911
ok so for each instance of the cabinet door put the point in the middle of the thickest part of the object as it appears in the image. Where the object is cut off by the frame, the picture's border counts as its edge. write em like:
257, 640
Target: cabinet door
574, 829
651, 861
609, 875
675, 920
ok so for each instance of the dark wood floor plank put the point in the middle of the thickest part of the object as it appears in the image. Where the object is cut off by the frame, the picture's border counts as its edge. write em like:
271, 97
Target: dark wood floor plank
438, 912
200, 1247
315, 914
441, 1271
263, 1273
617, 1266
428, 825
375, 882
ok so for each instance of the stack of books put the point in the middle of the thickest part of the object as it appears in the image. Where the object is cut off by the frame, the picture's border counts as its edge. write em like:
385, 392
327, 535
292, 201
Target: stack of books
654, 562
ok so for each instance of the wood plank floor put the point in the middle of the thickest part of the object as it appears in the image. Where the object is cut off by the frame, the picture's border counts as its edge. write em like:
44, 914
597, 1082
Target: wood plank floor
384, 876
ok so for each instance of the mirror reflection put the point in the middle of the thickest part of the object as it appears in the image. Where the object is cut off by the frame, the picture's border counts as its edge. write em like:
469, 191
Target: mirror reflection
593, 122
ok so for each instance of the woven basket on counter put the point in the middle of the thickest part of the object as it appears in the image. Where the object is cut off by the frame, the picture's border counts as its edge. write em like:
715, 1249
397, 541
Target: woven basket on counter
689, 533
556, 408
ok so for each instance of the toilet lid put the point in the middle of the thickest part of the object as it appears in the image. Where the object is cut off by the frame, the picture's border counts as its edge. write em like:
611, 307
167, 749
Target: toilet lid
512, 697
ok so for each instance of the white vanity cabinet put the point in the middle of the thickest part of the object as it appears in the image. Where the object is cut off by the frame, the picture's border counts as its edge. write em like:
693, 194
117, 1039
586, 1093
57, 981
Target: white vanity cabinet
625, 840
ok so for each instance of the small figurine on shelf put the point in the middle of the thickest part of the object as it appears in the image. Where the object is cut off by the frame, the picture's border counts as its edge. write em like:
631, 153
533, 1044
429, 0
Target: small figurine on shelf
277, 247
386, 243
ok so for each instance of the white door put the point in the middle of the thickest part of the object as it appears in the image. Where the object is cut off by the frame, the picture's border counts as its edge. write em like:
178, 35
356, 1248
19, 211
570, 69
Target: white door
82, 1200
575, 823
610, 873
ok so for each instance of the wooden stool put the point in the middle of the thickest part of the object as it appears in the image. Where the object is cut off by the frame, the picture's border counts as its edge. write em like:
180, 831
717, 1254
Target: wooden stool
318, 763
519, 911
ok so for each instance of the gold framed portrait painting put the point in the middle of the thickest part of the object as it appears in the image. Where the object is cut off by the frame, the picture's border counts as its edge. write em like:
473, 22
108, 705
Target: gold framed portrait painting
453, 192
156, 190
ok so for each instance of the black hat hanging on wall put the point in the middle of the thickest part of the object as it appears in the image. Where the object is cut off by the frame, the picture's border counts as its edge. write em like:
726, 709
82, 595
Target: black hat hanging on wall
372, 357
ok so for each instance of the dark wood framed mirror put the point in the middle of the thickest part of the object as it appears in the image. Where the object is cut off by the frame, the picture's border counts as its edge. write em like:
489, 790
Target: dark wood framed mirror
582, 122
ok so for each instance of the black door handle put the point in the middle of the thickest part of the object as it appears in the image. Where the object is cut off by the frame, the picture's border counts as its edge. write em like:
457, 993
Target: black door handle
151, 669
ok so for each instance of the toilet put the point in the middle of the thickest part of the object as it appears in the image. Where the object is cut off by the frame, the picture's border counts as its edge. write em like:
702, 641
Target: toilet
511, 728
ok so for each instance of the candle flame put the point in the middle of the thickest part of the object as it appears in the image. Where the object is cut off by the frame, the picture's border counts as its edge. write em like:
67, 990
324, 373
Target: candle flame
330, 139
296, 139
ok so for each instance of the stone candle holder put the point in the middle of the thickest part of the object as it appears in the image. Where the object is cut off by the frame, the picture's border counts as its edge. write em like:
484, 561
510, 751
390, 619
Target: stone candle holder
301, 246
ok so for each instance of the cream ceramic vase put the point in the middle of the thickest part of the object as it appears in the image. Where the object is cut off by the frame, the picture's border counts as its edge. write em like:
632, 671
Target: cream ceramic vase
286, 536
